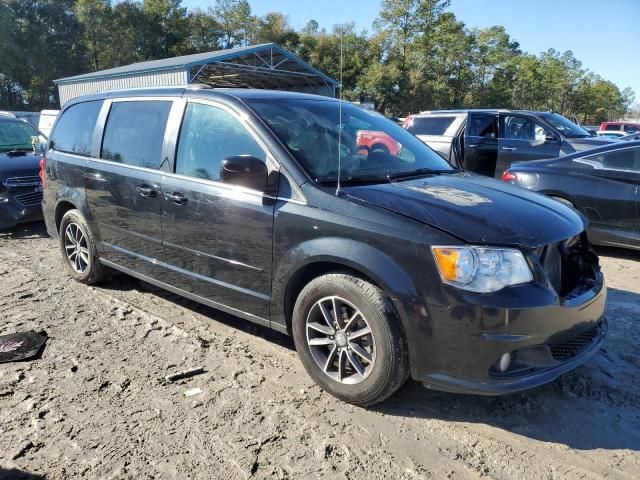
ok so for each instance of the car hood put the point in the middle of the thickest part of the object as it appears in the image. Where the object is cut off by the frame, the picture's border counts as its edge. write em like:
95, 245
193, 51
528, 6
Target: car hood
476, 209
580, 144
19, 165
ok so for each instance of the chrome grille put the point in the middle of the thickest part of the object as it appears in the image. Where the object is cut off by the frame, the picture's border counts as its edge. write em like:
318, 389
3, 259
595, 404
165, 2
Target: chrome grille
17, 182
29, 199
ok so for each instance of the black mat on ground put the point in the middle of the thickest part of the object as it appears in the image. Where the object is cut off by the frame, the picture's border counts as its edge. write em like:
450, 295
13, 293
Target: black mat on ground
21, 346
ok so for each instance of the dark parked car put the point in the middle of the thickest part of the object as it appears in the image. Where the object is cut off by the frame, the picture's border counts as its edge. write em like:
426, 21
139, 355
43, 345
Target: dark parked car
489, 141
631, 136
602, 183
20, 186
380, 266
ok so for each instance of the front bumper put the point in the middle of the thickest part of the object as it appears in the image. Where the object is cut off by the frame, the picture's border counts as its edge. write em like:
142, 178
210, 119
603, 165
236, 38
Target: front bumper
528, 322
12, 213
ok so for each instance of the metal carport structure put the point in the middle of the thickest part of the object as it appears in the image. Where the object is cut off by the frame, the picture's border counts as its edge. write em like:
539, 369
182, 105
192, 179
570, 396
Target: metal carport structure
259, 66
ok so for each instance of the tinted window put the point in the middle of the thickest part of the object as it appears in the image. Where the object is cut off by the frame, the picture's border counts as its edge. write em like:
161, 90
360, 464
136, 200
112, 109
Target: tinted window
135, 132
612, 126
630, 128
484, 126
74, 130
208, 136
430, 125
523, 128
626, 159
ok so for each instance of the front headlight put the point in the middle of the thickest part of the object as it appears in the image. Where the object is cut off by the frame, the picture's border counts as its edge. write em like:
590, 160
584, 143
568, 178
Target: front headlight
481, 269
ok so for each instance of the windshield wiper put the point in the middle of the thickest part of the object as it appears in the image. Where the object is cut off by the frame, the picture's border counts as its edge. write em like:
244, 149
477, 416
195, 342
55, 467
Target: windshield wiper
420, 172
351, 180
17, 151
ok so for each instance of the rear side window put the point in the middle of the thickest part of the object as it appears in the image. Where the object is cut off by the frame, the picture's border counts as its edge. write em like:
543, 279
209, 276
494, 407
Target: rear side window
625, 159
430, 125
135, 132
208, 136
484, 126
74, 130
612, 126
630, 128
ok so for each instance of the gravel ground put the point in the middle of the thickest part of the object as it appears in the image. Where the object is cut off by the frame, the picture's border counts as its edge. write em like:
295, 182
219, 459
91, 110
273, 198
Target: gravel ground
94, 405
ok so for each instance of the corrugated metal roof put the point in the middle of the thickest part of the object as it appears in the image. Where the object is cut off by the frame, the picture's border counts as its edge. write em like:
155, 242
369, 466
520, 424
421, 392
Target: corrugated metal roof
187, 61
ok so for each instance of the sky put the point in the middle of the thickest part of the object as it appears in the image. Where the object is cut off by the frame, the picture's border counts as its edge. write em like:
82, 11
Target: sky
601, 33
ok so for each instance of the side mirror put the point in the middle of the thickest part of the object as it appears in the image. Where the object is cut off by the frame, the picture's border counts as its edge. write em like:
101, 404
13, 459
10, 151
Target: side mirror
550, 137
36, 143
246, 171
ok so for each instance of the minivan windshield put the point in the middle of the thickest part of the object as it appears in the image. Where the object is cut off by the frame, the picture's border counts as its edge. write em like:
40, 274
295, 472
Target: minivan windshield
371, 148
17, 136
565, 126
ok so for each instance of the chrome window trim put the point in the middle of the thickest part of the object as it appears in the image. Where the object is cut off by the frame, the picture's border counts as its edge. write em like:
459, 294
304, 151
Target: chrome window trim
126, 165
243, 118
202, 181
168, 98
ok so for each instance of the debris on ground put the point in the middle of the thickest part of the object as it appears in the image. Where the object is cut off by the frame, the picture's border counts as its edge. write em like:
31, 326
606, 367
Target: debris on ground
192, 392
174, 377
21, 346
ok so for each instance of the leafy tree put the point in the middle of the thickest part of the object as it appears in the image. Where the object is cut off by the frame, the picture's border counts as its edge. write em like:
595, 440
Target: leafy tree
204, 32
236, 21
274, 27
419, 56
166, 27
95, 17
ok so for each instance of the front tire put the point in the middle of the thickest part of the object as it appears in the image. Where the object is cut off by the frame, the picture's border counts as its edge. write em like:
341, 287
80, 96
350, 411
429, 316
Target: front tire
350, 339
78, 249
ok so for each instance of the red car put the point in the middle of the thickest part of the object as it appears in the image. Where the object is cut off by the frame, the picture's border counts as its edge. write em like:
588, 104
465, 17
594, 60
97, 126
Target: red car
374, 140
627, 127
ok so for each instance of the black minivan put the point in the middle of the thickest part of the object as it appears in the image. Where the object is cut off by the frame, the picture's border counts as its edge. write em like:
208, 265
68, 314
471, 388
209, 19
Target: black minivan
381, 266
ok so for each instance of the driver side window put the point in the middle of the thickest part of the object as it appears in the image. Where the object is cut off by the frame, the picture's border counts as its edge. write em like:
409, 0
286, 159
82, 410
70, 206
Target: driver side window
208, 136
516, 127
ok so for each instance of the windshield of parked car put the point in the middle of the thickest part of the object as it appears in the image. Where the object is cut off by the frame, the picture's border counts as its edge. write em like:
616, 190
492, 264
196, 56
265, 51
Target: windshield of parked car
371, 147
564, 126
17, 136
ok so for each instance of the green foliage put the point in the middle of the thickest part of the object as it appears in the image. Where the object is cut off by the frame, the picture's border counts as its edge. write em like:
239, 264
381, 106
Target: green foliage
419, 56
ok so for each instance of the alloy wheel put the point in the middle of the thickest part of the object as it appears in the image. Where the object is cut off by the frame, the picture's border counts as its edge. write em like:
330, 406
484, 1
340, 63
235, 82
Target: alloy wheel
76, 248
340, 340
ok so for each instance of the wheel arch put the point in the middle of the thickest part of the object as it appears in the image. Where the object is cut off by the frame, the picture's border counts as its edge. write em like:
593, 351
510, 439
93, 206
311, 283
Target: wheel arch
318, 257
68, 199
62, 207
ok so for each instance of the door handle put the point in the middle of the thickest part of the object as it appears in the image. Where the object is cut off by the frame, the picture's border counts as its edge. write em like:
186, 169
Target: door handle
176, 197
474, 145
146, 191
96, 177
509, 149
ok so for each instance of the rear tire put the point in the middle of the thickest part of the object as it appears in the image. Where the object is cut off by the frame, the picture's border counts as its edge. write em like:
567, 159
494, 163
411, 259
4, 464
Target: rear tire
361, 356
78, 249
563, 201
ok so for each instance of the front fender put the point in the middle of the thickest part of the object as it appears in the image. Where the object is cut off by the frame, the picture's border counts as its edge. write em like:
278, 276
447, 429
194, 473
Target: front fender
358, 256
373, 263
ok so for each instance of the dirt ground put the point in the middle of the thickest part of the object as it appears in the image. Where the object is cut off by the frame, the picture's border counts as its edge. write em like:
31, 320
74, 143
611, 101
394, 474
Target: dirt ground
94, 405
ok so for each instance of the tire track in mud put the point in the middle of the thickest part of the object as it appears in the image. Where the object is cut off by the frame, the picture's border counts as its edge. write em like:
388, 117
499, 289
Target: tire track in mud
94, 407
